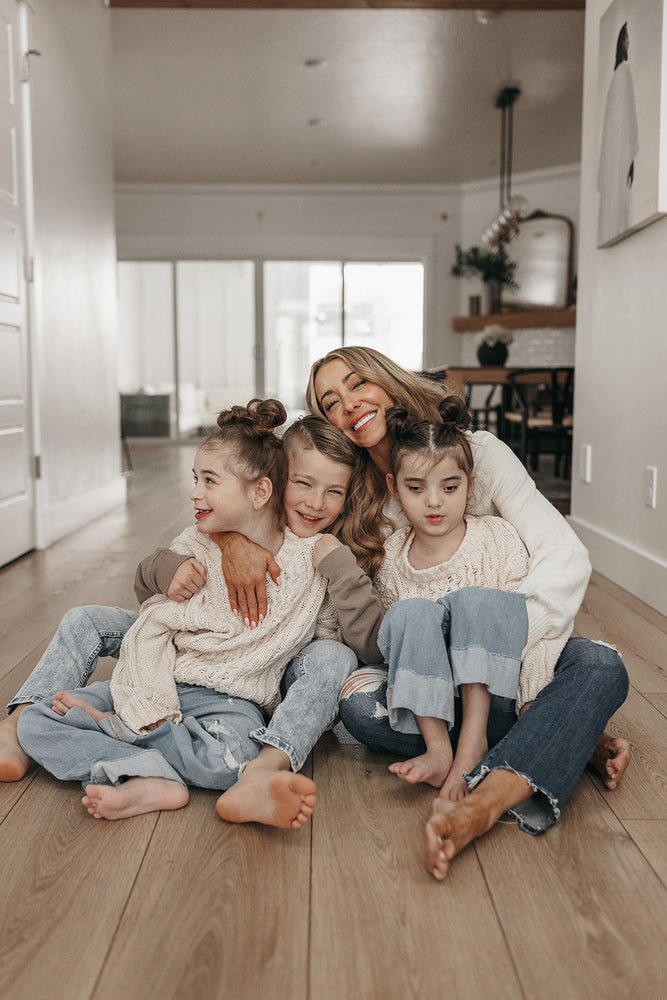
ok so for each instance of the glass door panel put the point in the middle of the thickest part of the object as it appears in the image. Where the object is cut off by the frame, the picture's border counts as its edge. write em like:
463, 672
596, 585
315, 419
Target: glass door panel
384, 309
215, 313
302, 321
146, 363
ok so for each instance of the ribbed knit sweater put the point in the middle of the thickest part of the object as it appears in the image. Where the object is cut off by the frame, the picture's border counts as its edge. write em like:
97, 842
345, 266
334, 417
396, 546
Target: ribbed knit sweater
201, 642
490, 555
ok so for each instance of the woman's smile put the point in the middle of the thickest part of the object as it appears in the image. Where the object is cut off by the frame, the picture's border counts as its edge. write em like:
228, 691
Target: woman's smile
352, 403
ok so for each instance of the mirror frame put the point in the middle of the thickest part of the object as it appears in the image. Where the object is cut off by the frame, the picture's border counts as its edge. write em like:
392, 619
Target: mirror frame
517, 299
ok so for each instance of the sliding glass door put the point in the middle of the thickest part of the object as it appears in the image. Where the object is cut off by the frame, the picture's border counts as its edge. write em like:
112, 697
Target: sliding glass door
199, 336
312, 307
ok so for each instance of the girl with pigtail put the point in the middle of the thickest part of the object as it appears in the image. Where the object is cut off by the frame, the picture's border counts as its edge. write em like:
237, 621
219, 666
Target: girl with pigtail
454, 627
188, 697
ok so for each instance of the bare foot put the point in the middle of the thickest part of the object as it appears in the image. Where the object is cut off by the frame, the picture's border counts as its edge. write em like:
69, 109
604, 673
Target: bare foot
611, 758
64, 700
262, 795
14, 762
454, 788
430, 767
451, 827
134, 797
467, 756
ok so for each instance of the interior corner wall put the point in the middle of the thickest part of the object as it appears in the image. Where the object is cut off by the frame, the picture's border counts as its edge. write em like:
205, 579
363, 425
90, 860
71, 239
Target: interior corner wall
621, 370
73, 328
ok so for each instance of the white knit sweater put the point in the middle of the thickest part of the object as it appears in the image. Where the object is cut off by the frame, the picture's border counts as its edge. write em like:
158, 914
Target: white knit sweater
490, 555
201, 642
559, 567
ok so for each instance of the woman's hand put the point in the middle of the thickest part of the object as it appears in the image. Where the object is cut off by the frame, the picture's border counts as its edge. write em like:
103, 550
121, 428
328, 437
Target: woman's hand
323, 546
245, 566
187, 581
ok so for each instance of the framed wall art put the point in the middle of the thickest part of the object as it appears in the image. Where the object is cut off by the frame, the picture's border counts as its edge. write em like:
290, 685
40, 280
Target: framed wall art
632, 118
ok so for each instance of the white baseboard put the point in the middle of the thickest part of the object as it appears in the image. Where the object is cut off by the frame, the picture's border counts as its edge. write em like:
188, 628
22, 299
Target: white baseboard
639, 572
62, 518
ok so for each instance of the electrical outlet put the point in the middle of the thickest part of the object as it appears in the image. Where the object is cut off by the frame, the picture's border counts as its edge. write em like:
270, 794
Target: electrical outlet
651, 486
585, 463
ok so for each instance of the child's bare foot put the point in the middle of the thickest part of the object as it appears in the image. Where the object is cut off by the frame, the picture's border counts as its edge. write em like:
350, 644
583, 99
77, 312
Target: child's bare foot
611, 758
64, 700
14, 762
430, 767
451, 827
134, 797
467, 756
454, 788
263, 795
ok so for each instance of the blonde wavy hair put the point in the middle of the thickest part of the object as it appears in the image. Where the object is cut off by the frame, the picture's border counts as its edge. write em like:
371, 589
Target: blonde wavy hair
365, 526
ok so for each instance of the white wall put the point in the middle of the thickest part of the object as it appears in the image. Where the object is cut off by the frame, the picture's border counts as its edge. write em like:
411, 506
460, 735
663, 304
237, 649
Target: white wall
74, 324
621, 361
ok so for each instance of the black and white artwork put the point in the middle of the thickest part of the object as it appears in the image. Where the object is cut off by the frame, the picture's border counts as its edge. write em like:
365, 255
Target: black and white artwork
632, 115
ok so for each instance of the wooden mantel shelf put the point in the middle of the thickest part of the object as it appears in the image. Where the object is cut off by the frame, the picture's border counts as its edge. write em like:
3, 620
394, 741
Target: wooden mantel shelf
516, 320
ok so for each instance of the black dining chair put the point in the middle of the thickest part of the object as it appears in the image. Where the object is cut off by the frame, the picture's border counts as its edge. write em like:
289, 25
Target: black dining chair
541, 406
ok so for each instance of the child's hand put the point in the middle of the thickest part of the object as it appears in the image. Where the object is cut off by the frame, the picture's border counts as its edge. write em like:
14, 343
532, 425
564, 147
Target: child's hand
323, 546
187, 581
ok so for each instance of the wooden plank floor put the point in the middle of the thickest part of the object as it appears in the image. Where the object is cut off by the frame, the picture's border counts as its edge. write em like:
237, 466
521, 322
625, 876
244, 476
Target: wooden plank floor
180, 904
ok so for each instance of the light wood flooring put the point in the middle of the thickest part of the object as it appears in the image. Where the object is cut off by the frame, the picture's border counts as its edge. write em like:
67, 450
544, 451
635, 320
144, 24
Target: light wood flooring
180, 904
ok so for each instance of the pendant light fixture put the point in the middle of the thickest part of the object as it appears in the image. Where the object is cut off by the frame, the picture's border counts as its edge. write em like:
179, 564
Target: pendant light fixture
512, 208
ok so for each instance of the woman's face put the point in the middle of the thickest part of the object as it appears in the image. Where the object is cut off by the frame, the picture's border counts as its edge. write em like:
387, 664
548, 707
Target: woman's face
352, 403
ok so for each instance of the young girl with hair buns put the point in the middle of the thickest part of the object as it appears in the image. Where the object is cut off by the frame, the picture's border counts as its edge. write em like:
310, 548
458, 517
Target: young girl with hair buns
449, 635
192, 682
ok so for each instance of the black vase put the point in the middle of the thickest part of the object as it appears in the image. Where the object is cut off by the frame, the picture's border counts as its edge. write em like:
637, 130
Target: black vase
492, 354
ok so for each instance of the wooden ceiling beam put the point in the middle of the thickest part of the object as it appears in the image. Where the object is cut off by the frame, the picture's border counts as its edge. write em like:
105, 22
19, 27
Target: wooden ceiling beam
491, 5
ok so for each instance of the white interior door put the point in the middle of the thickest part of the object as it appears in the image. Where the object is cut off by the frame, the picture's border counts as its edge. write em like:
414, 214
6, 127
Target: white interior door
16, 493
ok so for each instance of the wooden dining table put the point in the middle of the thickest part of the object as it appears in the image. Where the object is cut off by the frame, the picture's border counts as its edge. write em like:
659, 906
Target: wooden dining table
462, 379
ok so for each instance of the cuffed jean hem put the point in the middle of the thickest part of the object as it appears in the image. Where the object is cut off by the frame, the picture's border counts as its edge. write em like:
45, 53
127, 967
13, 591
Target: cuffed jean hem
536, 814
260, 735
147, 764
414, 695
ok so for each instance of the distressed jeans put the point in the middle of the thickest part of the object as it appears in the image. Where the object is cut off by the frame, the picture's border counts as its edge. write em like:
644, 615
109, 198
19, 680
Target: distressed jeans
310, 687
208, 749
549, 745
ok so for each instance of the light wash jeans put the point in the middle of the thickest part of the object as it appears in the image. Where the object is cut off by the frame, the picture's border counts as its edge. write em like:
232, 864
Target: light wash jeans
549, 745
311, 683
474, 635
208, 749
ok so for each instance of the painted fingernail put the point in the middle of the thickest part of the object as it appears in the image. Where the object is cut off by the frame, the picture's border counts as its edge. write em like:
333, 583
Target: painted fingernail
261, 618
253, 624
247, 621
279, 580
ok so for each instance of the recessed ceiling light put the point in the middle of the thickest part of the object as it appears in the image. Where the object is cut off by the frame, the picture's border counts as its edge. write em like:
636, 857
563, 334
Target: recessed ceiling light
314, 61
315, 121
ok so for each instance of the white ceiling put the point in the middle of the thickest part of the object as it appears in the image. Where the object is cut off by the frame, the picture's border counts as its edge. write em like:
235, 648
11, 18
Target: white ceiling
401, 96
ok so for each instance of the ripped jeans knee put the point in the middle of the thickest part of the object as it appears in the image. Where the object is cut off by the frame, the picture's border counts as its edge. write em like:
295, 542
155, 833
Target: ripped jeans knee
363, 712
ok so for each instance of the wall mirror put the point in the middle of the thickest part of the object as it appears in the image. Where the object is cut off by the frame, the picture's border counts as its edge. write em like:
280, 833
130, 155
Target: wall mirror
543, 252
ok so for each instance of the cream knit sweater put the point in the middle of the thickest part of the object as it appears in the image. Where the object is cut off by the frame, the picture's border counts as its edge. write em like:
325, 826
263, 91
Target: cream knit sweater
490, 555
559, 567
201, 642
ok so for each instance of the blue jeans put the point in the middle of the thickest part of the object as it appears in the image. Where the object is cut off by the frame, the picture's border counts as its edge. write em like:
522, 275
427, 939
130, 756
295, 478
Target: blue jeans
311, 690
311, 684
474, 635
549, 745
208, 749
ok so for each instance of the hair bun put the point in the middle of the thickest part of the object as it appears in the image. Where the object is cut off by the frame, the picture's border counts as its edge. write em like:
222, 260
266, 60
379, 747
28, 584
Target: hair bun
398, 422
455, 413
260, 416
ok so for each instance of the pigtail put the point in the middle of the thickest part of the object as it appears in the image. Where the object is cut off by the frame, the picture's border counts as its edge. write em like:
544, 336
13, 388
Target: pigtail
455, 414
